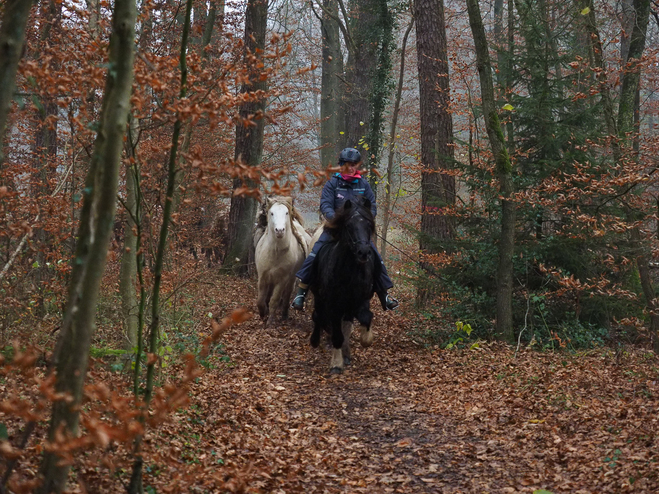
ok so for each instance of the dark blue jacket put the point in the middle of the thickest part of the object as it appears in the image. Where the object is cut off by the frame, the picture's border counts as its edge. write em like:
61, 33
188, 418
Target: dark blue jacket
337, 191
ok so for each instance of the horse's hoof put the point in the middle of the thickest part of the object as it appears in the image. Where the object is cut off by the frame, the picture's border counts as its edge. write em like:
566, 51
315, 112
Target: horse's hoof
315, 340
366, 338
347, 361
336, 370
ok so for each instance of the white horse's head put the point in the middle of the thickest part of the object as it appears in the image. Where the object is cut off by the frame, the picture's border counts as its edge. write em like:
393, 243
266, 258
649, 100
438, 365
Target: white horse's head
279, 219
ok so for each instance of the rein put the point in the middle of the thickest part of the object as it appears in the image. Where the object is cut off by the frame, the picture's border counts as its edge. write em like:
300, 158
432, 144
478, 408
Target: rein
352, 241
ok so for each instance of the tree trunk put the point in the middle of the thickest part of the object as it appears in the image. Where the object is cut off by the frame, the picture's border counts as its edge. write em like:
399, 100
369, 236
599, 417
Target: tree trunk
94, 8
128, 270
71, 354
379, 91
249, 141
330, 100
509, 67
45, 147
437, 188
359, 69
632, 68
504, 323
12, 38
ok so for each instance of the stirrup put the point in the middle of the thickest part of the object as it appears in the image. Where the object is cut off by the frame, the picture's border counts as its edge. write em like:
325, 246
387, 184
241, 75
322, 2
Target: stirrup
298, 302
391, 302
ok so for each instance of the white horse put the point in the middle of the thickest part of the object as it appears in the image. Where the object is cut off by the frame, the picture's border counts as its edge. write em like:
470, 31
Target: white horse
281, 244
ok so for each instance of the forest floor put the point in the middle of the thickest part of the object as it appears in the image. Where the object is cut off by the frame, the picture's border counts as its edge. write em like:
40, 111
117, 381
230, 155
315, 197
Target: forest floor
408, 419
268, 417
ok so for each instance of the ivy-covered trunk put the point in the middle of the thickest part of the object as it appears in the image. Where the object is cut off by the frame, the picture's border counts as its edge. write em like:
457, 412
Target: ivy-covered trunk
331, 116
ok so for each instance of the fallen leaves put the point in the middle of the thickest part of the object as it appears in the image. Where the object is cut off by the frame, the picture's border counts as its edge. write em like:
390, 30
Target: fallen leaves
400, 419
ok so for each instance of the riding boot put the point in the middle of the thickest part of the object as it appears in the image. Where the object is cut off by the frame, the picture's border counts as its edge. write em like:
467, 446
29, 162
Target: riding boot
387, 301
298, 301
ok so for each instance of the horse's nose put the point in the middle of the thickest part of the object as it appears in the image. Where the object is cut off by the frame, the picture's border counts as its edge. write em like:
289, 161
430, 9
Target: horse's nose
280, 232
363, 253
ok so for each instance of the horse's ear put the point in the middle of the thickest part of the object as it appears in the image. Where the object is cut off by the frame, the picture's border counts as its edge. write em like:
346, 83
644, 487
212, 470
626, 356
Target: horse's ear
367, 203
347, 205
268, 202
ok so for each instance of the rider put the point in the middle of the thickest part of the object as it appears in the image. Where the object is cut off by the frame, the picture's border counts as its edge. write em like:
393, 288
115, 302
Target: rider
343, 186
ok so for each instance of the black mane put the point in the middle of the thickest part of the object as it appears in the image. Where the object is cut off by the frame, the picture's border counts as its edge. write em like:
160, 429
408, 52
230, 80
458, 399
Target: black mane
359, 206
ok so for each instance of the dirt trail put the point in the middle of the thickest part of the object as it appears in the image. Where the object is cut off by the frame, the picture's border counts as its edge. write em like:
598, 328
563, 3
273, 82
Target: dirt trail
404, 419
360, 431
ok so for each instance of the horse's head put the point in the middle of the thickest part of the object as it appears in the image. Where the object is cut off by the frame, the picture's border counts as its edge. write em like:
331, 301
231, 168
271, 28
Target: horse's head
358, 228
279, 218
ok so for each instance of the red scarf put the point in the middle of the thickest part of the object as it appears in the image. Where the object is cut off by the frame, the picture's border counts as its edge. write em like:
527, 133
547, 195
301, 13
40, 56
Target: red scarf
350, 178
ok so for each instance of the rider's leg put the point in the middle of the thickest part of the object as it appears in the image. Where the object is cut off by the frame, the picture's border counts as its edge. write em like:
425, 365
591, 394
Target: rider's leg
304, 275
383, 284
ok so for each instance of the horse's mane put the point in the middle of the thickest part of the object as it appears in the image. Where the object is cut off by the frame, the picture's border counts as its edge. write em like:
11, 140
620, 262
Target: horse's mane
361, 205
262, 218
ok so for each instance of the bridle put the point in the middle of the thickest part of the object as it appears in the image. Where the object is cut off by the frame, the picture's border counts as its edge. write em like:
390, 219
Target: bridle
353, 242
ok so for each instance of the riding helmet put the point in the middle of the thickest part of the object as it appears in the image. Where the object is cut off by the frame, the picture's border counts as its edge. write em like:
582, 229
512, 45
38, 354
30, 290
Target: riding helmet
350, 155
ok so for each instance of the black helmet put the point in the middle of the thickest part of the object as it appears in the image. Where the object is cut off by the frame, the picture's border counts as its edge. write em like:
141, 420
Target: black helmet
351, 155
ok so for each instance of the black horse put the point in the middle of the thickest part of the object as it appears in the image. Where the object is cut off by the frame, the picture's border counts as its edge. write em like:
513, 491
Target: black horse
343, 276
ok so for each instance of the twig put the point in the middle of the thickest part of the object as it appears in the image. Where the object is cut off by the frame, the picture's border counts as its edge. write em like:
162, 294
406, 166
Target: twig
519, 338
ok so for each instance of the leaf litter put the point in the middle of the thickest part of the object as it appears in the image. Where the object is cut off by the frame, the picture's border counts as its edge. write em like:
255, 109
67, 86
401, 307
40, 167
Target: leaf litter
401, 418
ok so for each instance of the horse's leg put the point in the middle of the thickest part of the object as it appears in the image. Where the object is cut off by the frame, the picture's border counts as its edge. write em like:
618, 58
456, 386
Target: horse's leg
286, 298
317, 328
346, 329
365, 318
264, 297
275, 303
336, 366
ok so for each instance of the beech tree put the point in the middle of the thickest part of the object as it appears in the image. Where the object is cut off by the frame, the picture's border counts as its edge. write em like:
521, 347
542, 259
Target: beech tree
504, 322
72, 350
249, 138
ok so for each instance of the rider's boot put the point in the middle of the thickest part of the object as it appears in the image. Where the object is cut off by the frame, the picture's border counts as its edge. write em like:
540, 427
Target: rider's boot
387, 301
298, 301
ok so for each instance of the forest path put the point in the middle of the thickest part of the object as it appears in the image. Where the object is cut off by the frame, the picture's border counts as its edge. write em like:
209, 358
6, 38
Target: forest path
399, 419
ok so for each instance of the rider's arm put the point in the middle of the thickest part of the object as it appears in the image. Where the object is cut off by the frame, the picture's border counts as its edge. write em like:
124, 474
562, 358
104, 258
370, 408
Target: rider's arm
368, 194
327, 200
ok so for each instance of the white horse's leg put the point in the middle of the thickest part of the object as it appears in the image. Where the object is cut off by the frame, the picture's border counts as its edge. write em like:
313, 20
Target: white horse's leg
275, 301
287, 289
346, 328
264, 297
